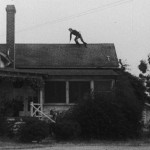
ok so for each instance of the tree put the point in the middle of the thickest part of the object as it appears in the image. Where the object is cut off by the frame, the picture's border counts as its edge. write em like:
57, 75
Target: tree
123, 65
145, 74
143, 66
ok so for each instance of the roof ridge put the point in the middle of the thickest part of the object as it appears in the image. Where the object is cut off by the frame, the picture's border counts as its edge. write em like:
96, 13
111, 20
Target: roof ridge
62, 44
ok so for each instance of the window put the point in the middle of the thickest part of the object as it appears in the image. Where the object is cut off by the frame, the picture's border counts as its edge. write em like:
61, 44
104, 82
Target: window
55, 92
78, 90
102, 86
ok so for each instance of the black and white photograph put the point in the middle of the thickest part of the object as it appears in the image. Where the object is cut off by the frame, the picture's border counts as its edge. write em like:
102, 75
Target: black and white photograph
75, 74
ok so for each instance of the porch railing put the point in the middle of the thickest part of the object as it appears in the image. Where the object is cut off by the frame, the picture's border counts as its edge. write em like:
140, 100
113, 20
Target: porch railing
36, 111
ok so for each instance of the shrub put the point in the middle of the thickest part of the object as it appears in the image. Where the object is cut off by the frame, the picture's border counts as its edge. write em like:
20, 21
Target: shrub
33, 130
6, 127
66, 129
106, 119
109, 116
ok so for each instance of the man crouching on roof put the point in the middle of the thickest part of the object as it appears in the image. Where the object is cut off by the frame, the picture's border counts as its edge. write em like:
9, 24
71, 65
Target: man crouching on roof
77, 36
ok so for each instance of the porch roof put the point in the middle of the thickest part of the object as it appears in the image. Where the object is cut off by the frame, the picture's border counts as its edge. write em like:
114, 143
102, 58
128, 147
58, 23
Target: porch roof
57, 72
9, 72
85, 72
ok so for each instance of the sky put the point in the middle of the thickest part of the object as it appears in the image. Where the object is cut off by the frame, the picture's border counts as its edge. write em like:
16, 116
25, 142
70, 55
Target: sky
126, 23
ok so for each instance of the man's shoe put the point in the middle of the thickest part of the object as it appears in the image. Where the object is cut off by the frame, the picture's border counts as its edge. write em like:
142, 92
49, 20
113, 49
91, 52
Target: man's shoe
85, 44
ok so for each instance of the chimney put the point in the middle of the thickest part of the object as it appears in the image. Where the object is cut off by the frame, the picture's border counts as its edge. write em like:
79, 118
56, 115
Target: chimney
10, 9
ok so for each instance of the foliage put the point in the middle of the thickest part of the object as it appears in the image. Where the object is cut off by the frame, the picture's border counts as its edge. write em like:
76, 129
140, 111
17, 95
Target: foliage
66, 129
123, 65
9, 107
137, 85
143, 66
145, 75
111, 116
34, 83
33, 130
18, 82
7, 126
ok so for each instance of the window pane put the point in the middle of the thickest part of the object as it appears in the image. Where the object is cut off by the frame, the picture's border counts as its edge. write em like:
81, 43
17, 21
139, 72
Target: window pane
55, 92
102, 85
78, 90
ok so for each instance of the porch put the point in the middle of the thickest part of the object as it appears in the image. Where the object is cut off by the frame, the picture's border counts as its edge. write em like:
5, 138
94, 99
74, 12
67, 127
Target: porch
56, 90
58, 95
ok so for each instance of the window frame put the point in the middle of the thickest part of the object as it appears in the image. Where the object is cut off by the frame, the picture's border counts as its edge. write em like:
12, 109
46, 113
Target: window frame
92, 88
67, 90
111, 84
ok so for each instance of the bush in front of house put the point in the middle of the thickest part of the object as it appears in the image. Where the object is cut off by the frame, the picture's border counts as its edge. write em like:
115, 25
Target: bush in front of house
105, 119
100, 118
6, 127
66, 130
33, 130
111, 116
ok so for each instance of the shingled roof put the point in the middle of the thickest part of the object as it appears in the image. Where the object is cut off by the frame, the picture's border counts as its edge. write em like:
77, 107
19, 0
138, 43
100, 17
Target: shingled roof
65, 56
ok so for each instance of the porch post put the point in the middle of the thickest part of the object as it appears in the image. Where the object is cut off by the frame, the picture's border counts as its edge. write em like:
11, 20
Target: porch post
67, 92
144, 116
112, 84
31, 106
41, 98
92, 88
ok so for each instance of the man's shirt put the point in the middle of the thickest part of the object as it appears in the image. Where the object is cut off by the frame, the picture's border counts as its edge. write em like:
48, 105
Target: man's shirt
74, 32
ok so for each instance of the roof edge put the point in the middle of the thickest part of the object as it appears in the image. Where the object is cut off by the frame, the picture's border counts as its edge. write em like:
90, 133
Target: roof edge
62, 44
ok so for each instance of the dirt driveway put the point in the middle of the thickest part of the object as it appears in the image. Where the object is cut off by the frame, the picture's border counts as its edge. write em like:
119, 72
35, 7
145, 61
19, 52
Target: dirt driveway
95, 148
134, 145
92, 147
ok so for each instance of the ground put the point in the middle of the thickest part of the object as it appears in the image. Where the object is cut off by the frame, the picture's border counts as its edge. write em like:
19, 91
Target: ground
96, 145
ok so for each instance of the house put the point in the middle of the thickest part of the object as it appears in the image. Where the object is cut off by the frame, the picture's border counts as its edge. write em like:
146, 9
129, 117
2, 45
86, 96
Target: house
64, 73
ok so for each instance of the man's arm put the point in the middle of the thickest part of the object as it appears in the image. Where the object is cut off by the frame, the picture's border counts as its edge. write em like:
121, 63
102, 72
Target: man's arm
70, 36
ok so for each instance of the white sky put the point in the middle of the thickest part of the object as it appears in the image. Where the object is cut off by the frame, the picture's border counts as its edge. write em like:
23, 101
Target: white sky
126, 23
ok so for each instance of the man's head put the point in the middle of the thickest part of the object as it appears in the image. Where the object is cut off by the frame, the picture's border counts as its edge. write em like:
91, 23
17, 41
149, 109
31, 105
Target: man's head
70, 29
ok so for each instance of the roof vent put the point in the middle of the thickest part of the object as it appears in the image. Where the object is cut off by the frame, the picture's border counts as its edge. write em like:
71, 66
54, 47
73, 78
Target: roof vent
108, 58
